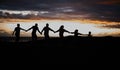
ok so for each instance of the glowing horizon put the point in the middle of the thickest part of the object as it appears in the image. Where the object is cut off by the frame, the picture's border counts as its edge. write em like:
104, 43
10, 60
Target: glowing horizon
83, 27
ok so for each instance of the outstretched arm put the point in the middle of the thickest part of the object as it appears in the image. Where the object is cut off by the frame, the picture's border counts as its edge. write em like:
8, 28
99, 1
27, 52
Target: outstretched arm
42, 30
29, 29
57, 31
39, 31
67, 31
23, 29
52, 30
80, 34
72, 32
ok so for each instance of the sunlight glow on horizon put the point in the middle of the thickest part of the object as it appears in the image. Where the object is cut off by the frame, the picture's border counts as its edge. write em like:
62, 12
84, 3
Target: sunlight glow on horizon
70, 26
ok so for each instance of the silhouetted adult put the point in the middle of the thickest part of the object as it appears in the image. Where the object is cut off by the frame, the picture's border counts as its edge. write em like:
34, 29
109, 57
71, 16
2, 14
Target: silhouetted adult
17, 32
46, 30
76, 33
61, 31
34, 30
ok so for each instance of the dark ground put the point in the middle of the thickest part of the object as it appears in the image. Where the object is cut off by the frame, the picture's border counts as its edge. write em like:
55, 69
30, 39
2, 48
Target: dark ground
69, 50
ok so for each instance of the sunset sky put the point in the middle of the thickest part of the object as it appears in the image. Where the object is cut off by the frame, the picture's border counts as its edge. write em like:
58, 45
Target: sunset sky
104, 13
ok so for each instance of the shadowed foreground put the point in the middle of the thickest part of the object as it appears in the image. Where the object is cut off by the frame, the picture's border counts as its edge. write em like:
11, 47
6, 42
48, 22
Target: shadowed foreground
67, 42
69, 50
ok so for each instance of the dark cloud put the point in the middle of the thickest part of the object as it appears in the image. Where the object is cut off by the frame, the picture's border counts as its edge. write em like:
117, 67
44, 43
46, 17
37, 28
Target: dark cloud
94, 9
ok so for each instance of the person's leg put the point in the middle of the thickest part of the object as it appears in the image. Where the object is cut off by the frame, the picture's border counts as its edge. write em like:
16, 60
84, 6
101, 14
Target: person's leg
32, 37
61, 35
17, 38
35, 37
46, 36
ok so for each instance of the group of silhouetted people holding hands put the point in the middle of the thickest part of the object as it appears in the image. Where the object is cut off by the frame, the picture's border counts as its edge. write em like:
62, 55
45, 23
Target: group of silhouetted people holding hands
46, 30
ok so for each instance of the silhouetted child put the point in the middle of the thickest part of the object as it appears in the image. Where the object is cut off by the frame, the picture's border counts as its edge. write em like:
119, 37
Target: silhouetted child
89, 34
46, 30
34, 30
61, 31
17, 32
76, 33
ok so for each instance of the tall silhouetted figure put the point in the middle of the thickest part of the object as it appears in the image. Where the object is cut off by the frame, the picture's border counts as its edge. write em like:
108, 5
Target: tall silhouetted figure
89, 34
17, 32
46, 30
61, 31
34, 30
76, 33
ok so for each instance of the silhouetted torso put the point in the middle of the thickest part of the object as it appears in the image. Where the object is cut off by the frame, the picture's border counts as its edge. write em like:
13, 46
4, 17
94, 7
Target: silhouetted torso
46, 31
76, 33
34, 29
89, 34
17, 31
61, 32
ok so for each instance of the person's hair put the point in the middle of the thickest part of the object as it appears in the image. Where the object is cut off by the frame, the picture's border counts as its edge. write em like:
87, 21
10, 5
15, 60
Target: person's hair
36, 24
47, 24
61, 26
18, 24
76, 30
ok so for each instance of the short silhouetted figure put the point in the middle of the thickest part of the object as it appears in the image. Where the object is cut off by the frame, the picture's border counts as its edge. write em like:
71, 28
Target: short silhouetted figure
46, 30
89, 34
76, 33
17, 32
34, 30
61, 31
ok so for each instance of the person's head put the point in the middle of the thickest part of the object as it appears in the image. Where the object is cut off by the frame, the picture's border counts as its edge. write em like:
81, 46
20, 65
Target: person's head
61, 27
47, 25
89, 32
36, 24
18, 25
76, 30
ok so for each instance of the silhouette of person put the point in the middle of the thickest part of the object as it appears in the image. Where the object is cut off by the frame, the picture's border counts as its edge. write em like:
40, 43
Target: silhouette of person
46, 30
34, 30
76, 33
17, 32
61, 31
89, 34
